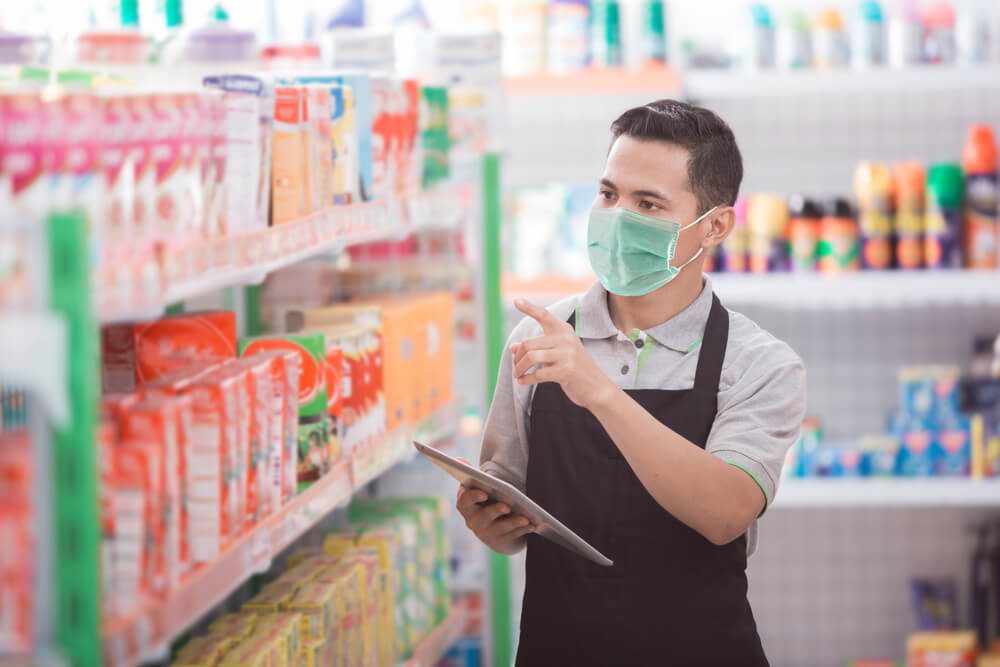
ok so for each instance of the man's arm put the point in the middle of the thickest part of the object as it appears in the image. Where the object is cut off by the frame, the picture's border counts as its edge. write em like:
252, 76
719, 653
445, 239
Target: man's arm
701, 489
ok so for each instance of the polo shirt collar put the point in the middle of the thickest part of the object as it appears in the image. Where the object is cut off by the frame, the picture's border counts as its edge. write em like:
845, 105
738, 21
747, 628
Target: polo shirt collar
681, 333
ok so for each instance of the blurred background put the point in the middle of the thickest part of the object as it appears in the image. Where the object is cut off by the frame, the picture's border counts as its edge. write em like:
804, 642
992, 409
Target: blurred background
250, 250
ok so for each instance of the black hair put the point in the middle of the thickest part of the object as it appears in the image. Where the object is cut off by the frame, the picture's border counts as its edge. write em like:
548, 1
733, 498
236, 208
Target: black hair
715, 168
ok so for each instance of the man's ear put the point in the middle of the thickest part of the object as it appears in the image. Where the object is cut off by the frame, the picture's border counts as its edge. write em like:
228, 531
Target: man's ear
721, 225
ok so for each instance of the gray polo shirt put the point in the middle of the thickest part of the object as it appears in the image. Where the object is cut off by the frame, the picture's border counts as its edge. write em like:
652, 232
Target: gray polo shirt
762, 391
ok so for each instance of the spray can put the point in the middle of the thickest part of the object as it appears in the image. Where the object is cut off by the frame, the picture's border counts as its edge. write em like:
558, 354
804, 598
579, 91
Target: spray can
838, 250
795, 49
906, 34
939, 33
767, 223
908, 185
734, 248
606, 33
982, 226
803, 233
973, 38
762, 41
869, 43
830, 45
873, 189
654, 33
942, 236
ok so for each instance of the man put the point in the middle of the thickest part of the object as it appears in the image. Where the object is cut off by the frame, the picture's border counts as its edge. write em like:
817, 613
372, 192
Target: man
646, 417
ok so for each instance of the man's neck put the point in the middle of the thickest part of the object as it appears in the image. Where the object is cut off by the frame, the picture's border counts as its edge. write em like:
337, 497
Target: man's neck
647, 311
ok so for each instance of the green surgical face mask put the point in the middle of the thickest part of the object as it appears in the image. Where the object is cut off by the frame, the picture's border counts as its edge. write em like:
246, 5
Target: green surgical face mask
631, 252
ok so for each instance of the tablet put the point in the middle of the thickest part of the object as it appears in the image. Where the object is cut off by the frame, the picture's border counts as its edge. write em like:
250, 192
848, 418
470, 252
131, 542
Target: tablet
545, 524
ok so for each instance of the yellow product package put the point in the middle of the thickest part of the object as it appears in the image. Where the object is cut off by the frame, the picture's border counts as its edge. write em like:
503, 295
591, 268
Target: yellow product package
235, 626
369, 601
203, 651
348, 576
316, 653
248, 654
286, 628
316, 602
301, 554
385, 546
272, 598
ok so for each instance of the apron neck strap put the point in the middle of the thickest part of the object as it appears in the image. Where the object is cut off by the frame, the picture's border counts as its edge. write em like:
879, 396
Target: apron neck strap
713, 351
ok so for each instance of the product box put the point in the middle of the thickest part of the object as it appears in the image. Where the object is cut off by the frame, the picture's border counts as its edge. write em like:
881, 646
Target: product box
385, 135
289, 159
235, 626
318, 146
273, 599
954, 450
136, 537
172, 197
260, 459
941, 649
133, 354
440, 345
213, 463
312, 381
285, 630
930, 393
202, 651
316, 601
343, 133
360, 178
249, 104
25, 187
881, 453
18, 525
917, 453
409, 155
434, 135
314, 449
158, 424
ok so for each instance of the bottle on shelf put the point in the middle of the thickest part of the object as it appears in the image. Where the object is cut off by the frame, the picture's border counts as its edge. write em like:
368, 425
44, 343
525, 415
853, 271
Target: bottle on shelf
869, 36
908, 185
566, 36
830, 44
606, 33
761, 47
873, 190
794, 48
838, 249
982, 218
943, 233
939, 33
803, 233
906, 34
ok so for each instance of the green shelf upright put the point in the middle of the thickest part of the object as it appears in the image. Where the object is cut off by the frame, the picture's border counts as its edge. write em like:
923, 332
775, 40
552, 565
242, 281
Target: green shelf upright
75, 515
500, 602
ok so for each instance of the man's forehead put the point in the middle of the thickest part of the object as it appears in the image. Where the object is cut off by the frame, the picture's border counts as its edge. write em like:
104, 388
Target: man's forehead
635, 164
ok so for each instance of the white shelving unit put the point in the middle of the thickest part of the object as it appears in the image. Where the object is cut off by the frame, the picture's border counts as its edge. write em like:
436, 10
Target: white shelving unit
882, 493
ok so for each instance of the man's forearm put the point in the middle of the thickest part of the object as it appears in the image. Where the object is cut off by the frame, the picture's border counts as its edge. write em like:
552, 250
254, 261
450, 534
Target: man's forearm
714, 498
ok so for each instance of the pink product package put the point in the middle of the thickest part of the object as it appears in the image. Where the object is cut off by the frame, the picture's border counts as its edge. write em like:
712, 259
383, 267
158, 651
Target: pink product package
24, 189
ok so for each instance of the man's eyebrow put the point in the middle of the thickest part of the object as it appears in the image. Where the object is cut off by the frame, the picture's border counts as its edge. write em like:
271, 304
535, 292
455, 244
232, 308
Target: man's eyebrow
651, 194
608, 184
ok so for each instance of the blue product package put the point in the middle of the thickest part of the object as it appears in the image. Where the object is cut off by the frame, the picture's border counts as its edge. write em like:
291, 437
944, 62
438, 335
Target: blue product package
916, 454
954, 450
852, 462
947, 394
916, 393
360, 85
880, 453
825, 462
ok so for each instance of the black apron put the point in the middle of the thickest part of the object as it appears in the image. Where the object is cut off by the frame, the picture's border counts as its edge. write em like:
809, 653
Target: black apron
672, 597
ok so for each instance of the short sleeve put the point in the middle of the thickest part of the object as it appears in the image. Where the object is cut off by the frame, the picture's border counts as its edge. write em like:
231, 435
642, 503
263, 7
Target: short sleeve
760, 408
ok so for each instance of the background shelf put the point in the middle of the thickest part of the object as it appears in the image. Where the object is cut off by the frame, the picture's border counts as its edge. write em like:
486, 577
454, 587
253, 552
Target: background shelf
861, 493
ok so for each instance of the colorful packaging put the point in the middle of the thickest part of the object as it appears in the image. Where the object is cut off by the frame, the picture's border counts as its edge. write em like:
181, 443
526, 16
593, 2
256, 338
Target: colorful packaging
873, 189
161, 423
316, 601
736, 246
385, 141
910, 223
133, 354
312, 381
838, 249
434, 135
360, 178
767, 221
213, 464
261, 458
271, 600
943, 235
954, 446
25, 188
135, 541
202, 651
881, 453
234, 626
314, 449
345, 145
803, 233
318, 147
174, 208
290, 198
916, 456
941, 649
249, 103
18, 524
982, 216
409, 153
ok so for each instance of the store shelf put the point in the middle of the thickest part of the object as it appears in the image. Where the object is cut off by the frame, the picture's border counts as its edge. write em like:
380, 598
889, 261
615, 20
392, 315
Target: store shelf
866, 289
248, 258
435, 645
869, 493
661, 80
810, 82
145, 636
22, 336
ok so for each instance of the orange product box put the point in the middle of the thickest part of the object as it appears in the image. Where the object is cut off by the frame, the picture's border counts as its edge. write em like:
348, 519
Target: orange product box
16, 524
260, 392
107, 443
134, 354
942, 649
137, 535
212, 464
157, 424
440, 340
400, 347
408, 156
240, 375
289, 196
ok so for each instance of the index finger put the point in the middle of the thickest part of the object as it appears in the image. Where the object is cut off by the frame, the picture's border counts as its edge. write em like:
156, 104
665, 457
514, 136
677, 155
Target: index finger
548, 321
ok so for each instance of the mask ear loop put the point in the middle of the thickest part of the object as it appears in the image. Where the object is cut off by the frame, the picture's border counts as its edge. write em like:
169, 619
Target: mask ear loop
700, 250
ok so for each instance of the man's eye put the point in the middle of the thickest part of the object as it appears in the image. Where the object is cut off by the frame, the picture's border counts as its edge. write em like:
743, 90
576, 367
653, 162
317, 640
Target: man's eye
607, 194
647, 205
